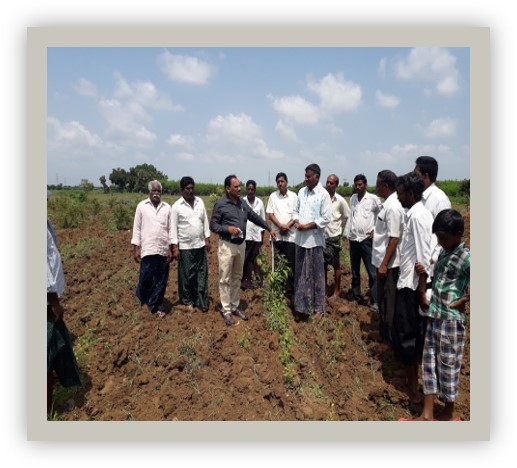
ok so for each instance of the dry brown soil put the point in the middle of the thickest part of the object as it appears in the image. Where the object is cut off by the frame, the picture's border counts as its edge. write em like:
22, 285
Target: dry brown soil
191, 366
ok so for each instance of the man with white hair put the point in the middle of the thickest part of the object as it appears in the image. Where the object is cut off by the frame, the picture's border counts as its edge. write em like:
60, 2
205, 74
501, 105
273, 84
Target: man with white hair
152, 248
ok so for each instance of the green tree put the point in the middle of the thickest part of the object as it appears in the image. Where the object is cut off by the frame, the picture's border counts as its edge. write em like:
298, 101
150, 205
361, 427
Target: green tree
86, 185
120, 179
102, 180
141, 175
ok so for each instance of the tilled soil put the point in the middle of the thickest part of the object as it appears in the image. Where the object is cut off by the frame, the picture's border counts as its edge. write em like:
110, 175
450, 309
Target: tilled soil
189, 366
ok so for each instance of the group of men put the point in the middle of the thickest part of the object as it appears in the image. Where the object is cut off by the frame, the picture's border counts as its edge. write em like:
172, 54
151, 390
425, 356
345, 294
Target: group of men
162, 233
394, 239
388, 232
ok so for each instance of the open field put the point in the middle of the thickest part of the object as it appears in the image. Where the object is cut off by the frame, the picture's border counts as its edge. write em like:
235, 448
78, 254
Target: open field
191, 366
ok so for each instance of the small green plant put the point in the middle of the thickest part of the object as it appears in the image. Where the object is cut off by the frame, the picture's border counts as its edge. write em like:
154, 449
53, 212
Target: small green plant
187, 349
277, 310
84, 247
388, 408
244, 340
122, 217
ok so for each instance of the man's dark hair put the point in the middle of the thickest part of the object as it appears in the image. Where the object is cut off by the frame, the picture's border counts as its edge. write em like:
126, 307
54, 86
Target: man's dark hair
228, 180
360, 177
450, 221
314, 168
412, 183
428, 165
187, 180
281, 174
389, 178
252, 182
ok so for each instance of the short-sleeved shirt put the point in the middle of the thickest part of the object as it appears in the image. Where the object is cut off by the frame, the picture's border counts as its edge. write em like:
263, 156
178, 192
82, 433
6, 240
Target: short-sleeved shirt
451, 282
189, 224
151, 228
254, 232
390, 223
283, 207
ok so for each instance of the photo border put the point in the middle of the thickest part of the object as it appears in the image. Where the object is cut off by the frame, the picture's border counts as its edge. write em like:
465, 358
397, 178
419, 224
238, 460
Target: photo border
475, 38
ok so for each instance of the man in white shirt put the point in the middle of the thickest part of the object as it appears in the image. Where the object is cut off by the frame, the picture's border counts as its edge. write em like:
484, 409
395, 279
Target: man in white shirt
334, 232
385, 257
434, 199
251, 272
280, 209
310, 219
364, 207
190, 240
414, 247
151, 248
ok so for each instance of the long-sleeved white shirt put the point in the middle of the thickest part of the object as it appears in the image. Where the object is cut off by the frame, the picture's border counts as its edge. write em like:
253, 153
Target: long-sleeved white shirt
363, 214
313, 206
151, 228
189, 225
435, 200
415, 245
55, 274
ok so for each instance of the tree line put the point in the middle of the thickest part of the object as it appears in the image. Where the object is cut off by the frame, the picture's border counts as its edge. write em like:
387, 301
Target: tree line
136, 180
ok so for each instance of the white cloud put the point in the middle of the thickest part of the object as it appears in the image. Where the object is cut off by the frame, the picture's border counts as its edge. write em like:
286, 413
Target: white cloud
185, 68
145, 94
431, 64
71, 133
387, 100
286, 131
442, 127
297, 109
418, 149
336, 94
126, 123
180, 140
85, 87
241, 131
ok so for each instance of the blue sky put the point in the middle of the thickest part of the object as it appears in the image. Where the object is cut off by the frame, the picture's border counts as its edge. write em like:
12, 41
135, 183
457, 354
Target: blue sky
210, 112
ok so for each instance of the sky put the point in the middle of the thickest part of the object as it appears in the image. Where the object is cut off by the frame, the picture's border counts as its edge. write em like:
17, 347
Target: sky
254, 112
